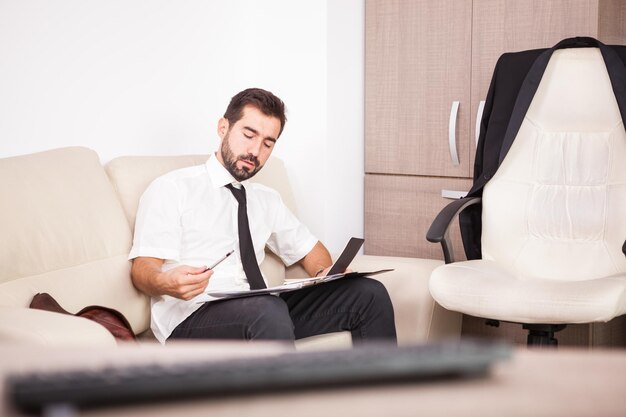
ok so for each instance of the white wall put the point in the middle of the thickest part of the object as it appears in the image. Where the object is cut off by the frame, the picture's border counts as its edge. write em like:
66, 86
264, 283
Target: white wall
152, 77
345, 121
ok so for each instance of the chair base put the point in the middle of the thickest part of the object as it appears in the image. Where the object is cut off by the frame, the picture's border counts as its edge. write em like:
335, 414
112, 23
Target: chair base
538, 334
542, 334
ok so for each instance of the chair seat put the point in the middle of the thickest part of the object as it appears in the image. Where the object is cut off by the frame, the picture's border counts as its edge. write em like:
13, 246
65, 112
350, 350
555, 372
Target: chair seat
484, 288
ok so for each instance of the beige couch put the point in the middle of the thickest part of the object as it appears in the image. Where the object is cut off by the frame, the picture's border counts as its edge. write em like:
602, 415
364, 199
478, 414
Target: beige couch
66, 225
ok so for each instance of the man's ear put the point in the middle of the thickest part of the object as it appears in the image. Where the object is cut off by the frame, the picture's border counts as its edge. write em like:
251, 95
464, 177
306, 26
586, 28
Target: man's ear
222, 127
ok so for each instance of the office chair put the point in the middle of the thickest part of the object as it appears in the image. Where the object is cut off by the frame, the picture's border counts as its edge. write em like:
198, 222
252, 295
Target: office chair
544, 225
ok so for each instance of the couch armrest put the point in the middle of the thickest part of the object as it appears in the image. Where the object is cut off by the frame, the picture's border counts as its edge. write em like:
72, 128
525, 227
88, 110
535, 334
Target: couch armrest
419, 318
26, 325
295, 271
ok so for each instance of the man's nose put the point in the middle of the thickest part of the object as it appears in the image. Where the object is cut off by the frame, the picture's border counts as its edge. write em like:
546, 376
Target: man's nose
255, 147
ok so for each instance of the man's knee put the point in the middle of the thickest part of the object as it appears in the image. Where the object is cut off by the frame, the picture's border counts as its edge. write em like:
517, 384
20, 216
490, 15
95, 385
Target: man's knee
271, 319
372, 297
378, 320
370, 289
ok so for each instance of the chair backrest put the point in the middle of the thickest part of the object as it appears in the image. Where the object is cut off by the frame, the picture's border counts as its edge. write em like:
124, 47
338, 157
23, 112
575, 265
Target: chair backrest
556, 208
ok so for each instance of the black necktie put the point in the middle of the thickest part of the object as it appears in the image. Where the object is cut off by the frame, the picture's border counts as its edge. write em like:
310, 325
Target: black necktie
246, 249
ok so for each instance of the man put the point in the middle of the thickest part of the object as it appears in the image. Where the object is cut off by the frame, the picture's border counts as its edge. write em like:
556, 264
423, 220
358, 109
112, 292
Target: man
192, 217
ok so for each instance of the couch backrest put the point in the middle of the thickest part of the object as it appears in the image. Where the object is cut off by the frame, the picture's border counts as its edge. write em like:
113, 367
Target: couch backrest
131, 175
64, 232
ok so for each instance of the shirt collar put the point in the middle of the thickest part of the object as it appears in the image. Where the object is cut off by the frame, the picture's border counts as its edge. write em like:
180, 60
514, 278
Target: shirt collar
219, 175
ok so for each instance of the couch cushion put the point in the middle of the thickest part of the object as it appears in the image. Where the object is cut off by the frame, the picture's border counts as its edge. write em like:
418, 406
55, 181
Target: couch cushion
131, 175
65, 232
51, 329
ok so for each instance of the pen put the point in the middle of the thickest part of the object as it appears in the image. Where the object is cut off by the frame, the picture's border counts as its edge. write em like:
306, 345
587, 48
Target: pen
220, 260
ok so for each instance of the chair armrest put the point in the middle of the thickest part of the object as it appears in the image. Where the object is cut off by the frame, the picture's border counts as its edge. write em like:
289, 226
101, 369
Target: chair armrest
438, 231
27, 325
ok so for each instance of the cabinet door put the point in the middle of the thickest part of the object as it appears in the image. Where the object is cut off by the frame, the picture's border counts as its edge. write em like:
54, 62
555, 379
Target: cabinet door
501, 26
417, 64
399, 211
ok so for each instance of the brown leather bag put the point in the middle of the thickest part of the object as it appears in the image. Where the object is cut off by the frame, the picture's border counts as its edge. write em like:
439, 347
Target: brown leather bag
112, 319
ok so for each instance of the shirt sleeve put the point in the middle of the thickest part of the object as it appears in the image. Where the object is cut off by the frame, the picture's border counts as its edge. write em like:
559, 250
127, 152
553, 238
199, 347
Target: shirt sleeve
158, 226
290, 240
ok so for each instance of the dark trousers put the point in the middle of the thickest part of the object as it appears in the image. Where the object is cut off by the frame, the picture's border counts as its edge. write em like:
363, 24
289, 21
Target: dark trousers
359, 305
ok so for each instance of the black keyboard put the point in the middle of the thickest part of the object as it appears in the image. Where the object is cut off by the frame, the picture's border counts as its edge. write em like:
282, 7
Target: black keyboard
367, 364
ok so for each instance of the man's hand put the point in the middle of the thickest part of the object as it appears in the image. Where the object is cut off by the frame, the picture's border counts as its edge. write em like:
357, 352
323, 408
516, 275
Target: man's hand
184, 282
324, 272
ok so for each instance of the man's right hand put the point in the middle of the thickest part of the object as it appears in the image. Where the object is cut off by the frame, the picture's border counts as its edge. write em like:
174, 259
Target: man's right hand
184, 282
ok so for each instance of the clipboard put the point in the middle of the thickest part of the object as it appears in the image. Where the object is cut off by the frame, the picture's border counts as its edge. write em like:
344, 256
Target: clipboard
290, 285
346, 257
337, 271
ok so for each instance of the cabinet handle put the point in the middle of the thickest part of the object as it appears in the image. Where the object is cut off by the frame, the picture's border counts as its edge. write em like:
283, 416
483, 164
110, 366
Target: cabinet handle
479, 116
453, 194
452, 133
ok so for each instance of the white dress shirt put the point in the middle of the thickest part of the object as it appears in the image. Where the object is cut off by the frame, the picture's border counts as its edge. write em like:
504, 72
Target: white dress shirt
189, 217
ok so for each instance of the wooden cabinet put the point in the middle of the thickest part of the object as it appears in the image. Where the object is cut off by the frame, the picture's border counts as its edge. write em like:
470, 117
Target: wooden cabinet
400, 208
422, 57
417, 61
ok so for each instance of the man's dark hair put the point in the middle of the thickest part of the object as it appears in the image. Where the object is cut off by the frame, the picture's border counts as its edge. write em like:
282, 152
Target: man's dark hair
265, 101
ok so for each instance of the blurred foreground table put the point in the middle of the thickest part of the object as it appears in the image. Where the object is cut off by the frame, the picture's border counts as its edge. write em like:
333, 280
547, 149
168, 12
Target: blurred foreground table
564, 382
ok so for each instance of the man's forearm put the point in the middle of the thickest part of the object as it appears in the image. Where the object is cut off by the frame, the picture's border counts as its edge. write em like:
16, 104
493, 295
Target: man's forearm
145, 273
317, 260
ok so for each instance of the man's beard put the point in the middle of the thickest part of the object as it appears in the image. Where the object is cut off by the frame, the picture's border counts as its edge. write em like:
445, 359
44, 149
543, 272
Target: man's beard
230, 162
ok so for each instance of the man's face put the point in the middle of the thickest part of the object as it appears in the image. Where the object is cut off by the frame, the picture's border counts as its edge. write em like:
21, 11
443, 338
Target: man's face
247, 144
